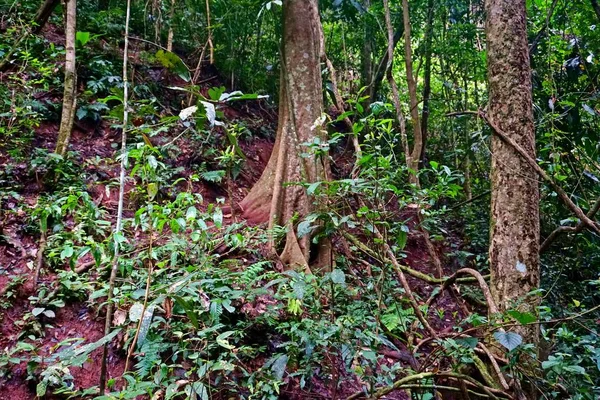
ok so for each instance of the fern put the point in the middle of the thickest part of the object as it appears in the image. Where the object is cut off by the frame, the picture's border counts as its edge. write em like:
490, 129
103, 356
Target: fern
151, 351
253, 271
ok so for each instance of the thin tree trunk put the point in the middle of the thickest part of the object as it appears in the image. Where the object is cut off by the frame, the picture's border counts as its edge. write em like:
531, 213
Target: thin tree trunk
170, 34
70, 91
381, 70
596, 8
366, 56
515, 230
395, 92
210, 37
44, 14
118, 226
427, 80
278, 196
413, 161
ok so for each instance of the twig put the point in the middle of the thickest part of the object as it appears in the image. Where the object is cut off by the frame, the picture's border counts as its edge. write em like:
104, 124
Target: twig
145, 306
40, 258
471, 200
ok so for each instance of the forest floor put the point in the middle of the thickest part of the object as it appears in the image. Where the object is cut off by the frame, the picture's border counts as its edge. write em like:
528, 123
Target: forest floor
80, 318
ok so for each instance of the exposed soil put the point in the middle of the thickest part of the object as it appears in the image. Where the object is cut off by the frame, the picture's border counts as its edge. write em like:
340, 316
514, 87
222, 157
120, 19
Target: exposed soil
76, 320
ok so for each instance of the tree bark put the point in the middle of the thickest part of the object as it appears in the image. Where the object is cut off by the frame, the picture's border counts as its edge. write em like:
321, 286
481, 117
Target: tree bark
596, 8
415, 156
426, 80
69, 97
278, 196
515, 230
171, 22
366, 56
44, 14
382, 65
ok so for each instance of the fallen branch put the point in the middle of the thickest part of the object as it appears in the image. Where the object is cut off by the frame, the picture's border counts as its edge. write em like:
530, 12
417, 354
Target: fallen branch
410, 271
490, 392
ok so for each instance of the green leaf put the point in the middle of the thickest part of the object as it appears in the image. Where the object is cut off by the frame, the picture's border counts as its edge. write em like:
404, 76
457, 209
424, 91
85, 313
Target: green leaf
37, 311
305, 228
469, 342
40, 389
191, 213
338, 277
213, 176
152, 162
224, 343
279, 365
510, 340
82, 38
152, 190
145, 325
67, 252
523, 318
311, 189
49, 313
401, 240
82, 112
188, 309
135, 312
187, 112
173, 63
200, 390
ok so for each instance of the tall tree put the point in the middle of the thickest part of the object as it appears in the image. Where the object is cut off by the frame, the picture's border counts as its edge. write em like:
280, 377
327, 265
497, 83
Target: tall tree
70, 83
278, 196
514, 241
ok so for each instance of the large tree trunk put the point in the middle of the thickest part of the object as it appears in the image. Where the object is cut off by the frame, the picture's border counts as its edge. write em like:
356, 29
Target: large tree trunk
278, 195
514, 241
69, 97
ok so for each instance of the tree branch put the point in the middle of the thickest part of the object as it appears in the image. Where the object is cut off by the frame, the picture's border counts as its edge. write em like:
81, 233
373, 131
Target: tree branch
585, 220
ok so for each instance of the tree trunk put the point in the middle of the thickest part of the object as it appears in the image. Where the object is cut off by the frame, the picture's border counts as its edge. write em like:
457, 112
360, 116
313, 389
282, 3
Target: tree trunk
171, 23
426, 81
43, 14
366, 56
380, 72
278, 196
69, 97
514, 241
596, 8
415, 155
